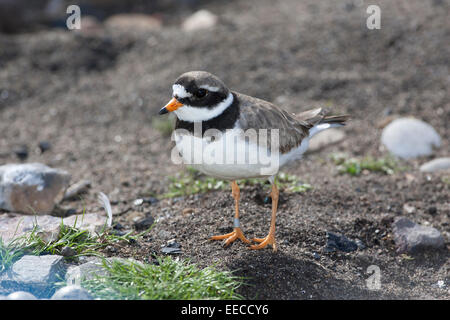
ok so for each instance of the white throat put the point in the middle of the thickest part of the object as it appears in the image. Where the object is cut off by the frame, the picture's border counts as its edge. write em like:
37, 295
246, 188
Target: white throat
194, 114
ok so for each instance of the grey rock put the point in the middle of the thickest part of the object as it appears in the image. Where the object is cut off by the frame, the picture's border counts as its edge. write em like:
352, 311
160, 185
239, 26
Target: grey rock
21, 295
438, 164
412, 237
31, 188
68, 252
72, 293
34, 274
410, 138
86, 271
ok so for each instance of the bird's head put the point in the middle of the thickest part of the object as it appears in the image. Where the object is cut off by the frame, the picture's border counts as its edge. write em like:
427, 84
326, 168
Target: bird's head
198, 96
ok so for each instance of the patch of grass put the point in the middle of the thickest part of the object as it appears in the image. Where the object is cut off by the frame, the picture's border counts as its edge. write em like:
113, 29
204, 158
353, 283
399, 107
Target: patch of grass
192, 181
168, 279
355, 166
35, 242
446, 180
291, 183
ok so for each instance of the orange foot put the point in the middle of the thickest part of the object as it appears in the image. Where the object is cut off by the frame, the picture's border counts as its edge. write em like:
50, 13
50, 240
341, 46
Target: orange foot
231, 237
263, 242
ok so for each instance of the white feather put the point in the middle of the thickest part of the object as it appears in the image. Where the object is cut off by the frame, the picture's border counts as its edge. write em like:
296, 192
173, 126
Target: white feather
104, 201
323, 126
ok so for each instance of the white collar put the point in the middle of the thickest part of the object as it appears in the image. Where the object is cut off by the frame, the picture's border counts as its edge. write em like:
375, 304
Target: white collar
193, 114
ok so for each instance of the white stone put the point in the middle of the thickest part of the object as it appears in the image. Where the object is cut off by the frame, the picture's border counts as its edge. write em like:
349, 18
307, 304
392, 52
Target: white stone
72, 293
410, 138
31, 188
325, 138
438, 164
21, 295
202, 19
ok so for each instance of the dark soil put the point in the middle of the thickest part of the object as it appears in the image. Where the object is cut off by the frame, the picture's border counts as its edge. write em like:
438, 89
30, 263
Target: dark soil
92, 96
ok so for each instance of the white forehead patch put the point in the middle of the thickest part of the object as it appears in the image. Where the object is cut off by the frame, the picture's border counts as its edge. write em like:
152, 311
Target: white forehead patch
180, 91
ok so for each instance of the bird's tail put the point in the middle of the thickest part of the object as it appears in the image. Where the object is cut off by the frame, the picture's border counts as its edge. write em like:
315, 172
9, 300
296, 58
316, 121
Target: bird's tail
318, 121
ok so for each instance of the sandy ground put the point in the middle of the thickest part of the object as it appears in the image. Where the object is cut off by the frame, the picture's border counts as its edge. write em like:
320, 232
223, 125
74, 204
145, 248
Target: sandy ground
93, 95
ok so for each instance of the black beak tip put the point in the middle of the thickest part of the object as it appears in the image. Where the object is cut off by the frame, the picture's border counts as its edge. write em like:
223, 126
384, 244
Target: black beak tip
163, 111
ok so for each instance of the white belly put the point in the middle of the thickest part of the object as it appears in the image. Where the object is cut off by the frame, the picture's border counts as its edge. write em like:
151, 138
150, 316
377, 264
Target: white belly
231, 157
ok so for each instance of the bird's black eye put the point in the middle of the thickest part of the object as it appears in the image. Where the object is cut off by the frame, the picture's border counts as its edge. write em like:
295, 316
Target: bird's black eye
200, 93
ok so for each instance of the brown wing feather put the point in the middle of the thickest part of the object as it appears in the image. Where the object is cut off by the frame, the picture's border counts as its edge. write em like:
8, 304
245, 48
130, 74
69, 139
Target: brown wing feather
259, 114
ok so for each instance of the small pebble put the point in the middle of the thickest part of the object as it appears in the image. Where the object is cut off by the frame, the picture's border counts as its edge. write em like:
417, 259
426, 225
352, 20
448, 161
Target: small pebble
150, 200
432, 210
168, 250
118, 226
44, 146
68, 252
187, 211
144, 223
111, 249
21, 152
172, 247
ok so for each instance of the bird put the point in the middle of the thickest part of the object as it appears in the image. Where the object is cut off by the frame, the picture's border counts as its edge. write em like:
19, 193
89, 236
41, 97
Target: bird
210, 116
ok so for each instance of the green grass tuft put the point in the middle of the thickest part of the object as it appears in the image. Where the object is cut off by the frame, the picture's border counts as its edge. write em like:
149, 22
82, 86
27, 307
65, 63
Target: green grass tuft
354, 166
192, 181
84, 243
169, 279
9, 253
446, 180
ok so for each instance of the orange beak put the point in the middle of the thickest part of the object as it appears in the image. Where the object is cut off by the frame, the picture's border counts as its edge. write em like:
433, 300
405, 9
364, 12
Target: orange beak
173, 105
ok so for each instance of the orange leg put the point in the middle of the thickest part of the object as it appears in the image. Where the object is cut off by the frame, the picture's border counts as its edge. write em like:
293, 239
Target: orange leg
270, 238
237, 232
